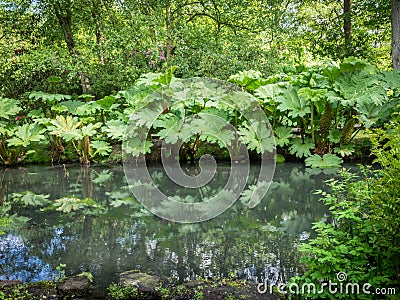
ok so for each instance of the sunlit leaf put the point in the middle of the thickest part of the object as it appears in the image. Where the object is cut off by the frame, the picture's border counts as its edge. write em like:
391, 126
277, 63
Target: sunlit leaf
9, 107
26, 134
327, 161
301, 149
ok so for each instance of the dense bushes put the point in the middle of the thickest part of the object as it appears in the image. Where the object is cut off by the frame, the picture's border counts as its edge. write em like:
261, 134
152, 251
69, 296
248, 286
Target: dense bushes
362, 238
315, 113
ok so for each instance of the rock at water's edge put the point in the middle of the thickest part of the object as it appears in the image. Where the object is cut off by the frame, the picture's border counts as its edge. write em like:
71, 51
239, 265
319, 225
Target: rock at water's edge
75, 286
145, 283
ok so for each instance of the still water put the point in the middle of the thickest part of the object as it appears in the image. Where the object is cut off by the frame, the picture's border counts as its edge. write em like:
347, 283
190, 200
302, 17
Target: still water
110, 232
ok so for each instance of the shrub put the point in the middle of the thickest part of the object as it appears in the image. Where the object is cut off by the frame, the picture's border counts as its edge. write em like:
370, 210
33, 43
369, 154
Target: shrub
362, 237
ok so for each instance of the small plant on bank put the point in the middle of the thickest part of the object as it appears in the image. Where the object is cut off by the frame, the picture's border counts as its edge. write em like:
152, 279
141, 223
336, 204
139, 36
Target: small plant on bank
117, 292
17, 292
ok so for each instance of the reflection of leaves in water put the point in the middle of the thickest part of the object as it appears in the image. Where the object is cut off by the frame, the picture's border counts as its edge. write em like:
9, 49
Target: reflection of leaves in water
28, 198
102, 177
318, 171
302, 178
70, 204
119, 198
235, 241
284, 189
254, 194
270, 228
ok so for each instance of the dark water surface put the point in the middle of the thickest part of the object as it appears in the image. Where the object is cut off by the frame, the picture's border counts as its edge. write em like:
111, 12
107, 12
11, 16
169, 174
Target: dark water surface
115, 234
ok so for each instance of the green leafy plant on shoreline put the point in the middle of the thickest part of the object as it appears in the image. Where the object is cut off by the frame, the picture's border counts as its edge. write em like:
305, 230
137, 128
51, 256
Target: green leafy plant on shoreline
312, 110
362, 237
319, 110
16, 140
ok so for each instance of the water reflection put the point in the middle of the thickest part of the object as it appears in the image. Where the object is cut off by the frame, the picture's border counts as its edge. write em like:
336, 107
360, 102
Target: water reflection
255, 244
16, 261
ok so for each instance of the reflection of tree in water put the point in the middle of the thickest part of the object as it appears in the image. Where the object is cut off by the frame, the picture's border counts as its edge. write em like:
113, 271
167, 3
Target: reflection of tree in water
16, 261
256, 244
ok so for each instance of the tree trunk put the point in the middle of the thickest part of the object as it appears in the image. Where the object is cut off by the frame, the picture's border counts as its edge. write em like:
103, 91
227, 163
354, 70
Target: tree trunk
64, 17
96, 15
348, 35
395, 7
65, 21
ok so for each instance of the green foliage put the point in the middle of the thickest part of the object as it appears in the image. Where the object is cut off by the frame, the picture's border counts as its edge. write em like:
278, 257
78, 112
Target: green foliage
362, 238
250, 80
66, 127
17, 292
257, 137
10, 221
29, 198
47, 97
9, 107
18, 141
301, 148
199, 113
26, 134
313, 110
283, 135
73, 204
118, 292
291, 102
101, 148
61, 272
326, 161
328, 104
88, 275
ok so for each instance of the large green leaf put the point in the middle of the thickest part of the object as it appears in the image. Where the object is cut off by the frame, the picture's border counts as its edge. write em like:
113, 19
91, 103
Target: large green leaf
345, 150
172, 128
269, 92
371, 113
101, 148
301, 149
9, 107
114, 129
327, 161
282, 135
250, 80
89, 108
90, 129
213, 129
174, 131
257, 137
361, 87
51, 98
136, 146
106, 102
66, 127
145, 117
26, 134
290, 101
392, 80
351, 64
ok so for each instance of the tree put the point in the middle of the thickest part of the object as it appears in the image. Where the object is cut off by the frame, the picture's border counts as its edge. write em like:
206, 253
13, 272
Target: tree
348, 36
395, 8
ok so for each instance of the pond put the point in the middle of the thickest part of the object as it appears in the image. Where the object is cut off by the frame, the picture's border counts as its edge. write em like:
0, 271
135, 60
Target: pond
113, 233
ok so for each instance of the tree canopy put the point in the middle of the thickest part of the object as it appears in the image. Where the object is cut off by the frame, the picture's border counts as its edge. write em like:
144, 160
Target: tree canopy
100, 46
